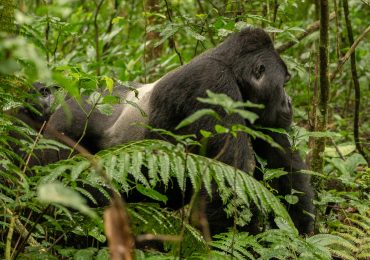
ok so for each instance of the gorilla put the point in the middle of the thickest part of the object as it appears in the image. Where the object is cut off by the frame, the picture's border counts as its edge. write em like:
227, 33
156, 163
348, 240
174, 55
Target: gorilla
246, 67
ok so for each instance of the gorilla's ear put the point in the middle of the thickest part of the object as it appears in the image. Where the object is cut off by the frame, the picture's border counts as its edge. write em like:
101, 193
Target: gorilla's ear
258, 71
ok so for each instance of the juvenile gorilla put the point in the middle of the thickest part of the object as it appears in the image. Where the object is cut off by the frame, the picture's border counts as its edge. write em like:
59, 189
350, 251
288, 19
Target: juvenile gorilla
246, 68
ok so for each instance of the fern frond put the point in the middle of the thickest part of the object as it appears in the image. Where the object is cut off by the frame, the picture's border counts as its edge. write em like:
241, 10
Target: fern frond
128, 160
342, 254
364, 255
235, 244
150, 218
355, 231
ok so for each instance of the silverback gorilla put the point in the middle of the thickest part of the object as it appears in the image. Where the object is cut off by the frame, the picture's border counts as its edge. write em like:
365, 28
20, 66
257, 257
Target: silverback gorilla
245, 67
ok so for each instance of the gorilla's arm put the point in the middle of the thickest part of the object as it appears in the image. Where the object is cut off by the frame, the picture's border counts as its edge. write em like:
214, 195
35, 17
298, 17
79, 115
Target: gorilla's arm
292, 163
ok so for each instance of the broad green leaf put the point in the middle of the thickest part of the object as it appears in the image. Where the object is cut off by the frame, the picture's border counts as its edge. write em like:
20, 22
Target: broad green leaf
105, 109
250, 116
291, 199
345, 150
270, 174
196, 116
58, 193
221, 130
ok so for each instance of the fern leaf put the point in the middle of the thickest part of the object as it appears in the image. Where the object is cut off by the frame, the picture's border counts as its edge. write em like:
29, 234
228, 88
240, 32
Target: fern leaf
122, 169
193, 172
342, 254
152, 168
164, 172
54, 173
170, 161
179, 171
206, 178
136, 166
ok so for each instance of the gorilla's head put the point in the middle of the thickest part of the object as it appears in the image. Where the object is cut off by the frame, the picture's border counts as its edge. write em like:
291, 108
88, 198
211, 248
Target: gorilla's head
260, 74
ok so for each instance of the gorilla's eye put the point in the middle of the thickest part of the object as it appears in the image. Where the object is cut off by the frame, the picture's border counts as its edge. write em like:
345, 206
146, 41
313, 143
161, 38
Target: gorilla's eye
258, 71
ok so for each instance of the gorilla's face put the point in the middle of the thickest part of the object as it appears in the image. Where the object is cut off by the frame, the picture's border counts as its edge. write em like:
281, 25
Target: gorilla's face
42, 101
264, 75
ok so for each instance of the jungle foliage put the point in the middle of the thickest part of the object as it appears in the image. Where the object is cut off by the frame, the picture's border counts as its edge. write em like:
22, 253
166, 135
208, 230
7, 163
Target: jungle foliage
83, 47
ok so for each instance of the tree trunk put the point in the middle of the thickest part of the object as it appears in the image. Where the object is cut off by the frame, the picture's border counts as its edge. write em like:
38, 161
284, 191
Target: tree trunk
319, 147
152, 52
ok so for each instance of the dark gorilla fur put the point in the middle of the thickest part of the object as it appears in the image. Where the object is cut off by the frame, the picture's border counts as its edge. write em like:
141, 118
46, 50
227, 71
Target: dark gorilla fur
244, 67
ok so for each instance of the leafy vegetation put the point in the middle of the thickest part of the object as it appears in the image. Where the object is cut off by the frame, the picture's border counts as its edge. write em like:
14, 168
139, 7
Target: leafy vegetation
84, 47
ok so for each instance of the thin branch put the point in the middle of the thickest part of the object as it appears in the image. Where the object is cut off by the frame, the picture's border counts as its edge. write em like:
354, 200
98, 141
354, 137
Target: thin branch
159, 237
366, 2
96, 36
33, 147
345, 58
210, 34
56, 45
337, 26
110, 26
23, 232
9, 237
337, 149
172, 38
27, 234
309, 30
356, 83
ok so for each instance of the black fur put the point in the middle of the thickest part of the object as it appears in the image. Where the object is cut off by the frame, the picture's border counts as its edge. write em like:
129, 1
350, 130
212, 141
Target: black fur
245, 67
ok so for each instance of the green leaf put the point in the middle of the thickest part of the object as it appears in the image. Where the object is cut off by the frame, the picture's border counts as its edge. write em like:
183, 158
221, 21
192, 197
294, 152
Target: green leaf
105, 109
250, 116
291, 199
196, 116
270, 174
86, 253
194, 34
205, 133
354, 161
345, 150
221, 130
153, 194
57, 193
109, 83
117, 19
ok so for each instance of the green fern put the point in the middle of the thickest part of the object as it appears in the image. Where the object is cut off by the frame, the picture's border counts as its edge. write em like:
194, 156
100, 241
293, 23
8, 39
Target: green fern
273, 244
149, 218
166, 162
236, 245
355, 231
